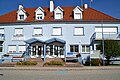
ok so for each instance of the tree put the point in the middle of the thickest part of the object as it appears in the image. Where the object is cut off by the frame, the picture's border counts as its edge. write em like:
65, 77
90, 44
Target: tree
111, 49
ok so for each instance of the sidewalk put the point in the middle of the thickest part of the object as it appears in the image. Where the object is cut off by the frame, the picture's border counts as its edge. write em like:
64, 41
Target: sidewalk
63, 68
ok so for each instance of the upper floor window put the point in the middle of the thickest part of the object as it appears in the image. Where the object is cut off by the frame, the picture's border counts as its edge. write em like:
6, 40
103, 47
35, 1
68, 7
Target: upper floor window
58, 13
57, 31
39, 17
1, 30
19, 31
107, 30
21, 17
77, 13
21, 48
78, 31
12, 48
37, 31
74, 48
39, 14
58, 16
77, 16
85, 48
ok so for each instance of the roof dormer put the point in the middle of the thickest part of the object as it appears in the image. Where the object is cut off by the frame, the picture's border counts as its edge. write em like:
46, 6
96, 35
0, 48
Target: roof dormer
77, 12
39, 14
58, 13
21, 13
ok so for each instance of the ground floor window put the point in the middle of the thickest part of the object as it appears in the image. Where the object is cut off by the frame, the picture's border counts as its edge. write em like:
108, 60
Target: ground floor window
12, 48
85, 48
21, 48
74, 48
55, 50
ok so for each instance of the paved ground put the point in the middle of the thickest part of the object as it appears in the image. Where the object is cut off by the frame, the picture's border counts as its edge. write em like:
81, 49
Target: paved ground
50, 73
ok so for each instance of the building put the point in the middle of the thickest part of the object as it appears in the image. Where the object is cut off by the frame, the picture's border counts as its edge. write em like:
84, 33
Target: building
55, 32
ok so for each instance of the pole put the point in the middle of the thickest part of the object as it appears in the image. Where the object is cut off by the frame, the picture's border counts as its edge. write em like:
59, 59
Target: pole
103, 42
81, 2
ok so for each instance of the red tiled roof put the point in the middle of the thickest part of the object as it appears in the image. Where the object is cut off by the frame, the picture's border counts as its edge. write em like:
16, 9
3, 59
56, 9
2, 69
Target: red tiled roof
88, 15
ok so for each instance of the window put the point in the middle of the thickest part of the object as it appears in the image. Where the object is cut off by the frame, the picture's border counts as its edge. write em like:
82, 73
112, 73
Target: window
39, 16
18, 31
11, 49
58, 16
74, 48
21, 49
107, 30
85, 48
1, 31
1, 48
57, 31
37, 31
78, 31
21, 17
77, 16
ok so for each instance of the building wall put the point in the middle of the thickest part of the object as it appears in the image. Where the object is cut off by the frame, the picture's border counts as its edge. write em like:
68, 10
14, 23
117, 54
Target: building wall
67, 34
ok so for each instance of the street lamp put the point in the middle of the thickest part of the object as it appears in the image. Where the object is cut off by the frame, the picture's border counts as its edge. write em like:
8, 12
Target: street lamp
103, 42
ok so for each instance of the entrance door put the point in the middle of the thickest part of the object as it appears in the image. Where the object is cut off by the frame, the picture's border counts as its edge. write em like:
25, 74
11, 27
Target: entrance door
37, 51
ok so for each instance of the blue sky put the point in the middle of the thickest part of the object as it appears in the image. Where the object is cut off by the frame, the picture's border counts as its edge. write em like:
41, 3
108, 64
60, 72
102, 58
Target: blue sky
110, 7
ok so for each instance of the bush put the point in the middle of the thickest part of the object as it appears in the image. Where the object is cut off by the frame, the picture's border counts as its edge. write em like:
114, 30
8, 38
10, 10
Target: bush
94, 62
54, 63
26, 63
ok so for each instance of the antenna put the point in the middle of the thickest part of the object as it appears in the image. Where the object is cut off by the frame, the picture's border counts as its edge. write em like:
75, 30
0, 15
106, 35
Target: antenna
91, 3
81, 1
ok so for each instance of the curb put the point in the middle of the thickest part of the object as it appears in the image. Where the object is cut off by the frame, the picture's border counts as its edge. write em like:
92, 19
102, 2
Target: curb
59, 68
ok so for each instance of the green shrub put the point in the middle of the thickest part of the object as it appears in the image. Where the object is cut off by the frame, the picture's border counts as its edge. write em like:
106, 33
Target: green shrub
26, 63
54, 63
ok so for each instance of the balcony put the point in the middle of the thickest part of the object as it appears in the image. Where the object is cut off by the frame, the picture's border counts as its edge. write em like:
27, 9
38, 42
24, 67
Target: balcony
2, 37
108, 35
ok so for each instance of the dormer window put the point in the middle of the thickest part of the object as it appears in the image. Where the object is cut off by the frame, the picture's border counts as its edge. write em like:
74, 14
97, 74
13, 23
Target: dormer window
39, 17
21, 14
39, 14
77, 13
21, 17
58, 13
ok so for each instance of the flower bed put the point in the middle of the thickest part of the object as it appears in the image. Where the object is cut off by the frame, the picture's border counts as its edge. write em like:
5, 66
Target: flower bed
26, 63
54, 63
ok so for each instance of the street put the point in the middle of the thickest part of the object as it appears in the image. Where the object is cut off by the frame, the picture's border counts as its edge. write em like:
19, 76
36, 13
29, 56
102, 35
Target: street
59, 75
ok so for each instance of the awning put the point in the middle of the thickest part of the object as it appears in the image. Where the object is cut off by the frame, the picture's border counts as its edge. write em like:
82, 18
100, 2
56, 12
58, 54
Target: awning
32, 40
55, 40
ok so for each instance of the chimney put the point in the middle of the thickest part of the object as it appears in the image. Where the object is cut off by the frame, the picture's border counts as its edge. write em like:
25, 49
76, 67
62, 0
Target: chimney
86, 6
51, 6
20, 6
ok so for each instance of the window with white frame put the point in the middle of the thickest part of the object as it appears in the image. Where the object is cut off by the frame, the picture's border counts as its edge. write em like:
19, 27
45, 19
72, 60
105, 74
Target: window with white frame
85, 48
58, 16
57, 31
21, 16
12, 48
78, 31
74, 48
77, 16
21, 48
19, 31
39, 16
107, 30
1, 30
37, 31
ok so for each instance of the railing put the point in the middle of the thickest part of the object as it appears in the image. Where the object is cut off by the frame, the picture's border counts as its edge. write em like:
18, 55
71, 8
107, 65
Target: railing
2, 37
106, 35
